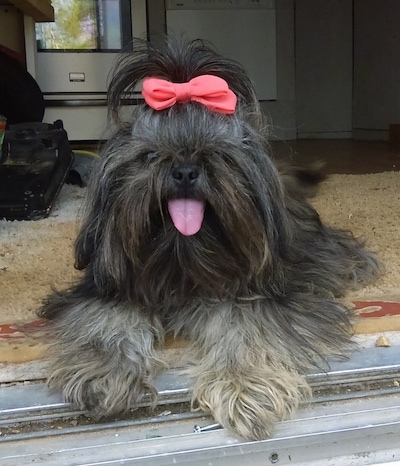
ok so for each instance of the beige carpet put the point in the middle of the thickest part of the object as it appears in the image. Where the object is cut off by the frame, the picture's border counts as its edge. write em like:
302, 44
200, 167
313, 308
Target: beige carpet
37, 254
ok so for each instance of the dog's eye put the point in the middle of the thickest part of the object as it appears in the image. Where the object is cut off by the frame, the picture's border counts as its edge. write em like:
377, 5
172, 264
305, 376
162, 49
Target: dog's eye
151, 156
148, 156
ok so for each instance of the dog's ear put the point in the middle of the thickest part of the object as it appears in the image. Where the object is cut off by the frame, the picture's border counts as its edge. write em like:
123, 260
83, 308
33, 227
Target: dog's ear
91, 233
99, 245
98, 248
85, 244
95, 209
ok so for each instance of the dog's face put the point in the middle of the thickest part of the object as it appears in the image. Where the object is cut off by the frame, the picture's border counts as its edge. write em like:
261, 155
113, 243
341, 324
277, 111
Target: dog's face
188, 201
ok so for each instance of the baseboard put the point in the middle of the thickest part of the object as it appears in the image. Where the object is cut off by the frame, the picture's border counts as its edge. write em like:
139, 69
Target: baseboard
370, 134
325, 135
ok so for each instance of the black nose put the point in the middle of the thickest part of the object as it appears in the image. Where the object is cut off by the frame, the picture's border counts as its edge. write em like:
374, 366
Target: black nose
185, 174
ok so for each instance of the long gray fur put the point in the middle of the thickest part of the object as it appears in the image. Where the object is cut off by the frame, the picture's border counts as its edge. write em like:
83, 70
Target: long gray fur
254, 291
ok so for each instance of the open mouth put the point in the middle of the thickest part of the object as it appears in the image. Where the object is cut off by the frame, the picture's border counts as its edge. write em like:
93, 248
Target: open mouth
187, 215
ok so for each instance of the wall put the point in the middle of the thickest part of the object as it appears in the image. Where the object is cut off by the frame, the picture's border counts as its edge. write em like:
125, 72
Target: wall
282, 111
324, 68
376, 68
155, 19
12, 28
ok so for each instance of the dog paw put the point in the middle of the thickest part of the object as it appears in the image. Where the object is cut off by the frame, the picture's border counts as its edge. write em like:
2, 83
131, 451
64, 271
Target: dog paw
103, 395
249, 404
103, 359
108, 397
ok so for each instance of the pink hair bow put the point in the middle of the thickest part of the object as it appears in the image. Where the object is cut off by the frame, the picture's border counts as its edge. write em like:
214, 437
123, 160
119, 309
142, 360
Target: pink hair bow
209, 90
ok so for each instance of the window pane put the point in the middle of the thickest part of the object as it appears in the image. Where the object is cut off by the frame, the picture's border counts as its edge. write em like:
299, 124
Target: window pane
110, 24
82, 25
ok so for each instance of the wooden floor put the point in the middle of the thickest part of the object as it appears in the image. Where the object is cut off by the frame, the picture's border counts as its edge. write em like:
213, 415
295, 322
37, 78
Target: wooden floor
343, 156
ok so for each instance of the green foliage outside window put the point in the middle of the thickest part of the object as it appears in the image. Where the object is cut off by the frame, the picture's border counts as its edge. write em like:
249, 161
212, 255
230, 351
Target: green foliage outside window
75, 26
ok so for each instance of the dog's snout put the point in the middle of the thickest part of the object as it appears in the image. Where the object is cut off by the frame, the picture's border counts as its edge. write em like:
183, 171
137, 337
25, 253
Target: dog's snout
185, 174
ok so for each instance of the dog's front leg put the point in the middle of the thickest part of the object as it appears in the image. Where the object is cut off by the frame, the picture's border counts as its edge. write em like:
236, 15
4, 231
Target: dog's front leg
240, 376
103, 357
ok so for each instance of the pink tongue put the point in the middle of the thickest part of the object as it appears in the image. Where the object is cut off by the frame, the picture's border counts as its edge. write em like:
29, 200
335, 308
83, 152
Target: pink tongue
187, 215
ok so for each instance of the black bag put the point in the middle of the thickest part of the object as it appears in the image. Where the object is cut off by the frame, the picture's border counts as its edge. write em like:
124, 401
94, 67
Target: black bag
34, 162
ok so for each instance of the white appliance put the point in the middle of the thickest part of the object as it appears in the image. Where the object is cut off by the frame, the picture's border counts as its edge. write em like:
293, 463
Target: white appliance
243, 30
74, 82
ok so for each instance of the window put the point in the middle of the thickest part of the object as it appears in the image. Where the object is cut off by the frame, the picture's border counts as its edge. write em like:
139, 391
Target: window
86, 25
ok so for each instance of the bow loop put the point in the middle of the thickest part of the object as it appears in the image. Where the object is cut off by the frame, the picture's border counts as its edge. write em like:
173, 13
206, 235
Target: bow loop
209, 90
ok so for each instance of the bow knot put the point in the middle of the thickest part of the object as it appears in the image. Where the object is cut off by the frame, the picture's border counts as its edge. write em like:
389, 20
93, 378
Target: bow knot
182, 91
209, 90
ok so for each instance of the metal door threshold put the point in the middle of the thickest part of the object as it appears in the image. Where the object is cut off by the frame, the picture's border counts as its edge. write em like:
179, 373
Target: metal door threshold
353, 419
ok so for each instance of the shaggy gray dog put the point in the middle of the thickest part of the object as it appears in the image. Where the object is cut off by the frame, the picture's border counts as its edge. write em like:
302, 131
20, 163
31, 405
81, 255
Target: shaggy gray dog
192, 227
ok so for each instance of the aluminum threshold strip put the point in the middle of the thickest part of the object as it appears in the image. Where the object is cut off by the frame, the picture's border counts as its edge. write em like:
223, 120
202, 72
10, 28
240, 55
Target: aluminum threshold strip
368, 365
362, 433
354, 419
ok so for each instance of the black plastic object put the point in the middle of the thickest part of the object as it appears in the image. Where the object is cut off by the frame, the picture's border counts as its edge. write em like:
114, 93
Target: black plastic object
34, 162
